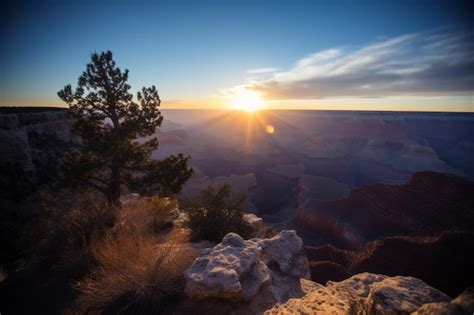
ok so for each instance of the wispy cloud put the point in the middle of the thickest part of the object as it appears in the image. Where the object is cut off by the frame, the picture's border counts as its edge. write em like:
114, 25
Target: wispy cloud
262, 70
414, 64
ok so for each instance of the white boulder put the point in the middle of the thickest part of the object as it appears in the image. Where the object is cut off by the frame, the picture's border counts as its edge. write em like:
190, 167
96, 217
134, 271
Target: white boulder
286, 250
231, 270
237, 269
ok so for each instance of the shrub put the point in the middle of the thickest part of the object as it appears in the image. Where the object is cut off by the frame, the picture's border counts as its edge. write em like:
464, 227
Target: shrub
151, 214
128, 261
215, 213
136, 274
69, 224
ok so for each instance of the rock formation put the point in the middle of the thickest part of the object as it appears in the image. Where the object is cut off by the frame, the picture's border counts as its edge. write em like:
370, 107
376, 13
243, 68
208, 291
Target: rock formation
420, 257
414, 229
31, 148
15, 130
423, 206
462, 305
15, 149
267, 276
253, 221
236, 269
365, 293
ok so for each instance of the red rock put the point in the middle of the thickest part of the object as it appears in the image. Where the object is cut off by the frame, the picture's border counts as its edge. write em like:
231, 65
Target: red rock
444, 262
427, 205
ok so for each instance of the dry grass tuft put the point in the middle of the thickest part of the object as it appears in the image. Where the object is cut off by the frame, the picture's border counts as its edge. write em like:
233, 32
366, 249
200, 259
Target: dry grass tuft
128, 258
136, 273
67, 227
150, 214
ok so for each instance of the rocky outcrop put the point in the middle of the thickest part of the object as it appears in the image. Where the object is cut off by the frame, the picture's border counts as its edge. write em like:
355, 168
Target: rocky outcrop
255, 276
466, 300
9, 121
231, 270
32, 145
237, 269
21, 125
41, 117
256, 223
462, 305
364, 293
15, 149
286, 251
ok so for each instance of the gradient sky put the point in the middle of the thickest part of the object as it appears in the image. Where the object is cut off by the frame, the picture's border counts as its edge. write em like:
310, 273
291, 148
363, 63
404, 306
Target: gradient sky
387, 55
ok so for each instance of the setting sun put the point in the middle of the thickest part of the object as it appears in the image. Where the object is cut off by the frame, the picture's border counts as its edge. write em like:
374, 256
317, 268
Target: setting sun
248, 101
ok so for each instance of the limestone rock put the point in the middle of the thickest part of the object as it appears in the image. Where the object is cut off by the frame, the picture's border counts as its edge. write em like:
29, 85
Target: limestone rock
231, 270
401, 295
255, 222
238, 269
286, 250
441, 308
466, 300
364, 293
462, 305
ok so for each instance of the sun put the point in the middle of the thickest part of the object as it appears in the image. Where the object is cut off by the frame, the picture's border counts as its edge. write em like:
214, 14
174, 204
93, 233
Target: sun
248, 101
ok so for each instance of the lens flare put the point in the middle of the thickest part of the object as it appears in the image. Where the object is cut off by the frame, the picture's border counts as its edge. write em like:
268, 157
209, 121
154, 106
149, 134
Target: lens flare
269, 129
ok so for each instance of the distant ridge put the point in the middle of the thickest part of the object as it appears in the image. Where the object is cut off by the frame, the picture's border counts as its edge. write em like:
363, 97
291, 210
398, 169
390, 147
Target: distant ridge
29, 109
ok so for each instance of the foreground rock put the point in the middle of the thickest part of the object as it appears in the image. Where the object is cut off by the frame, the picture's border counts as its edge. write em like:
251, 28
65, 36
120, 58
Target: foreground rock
462, 305
231, 270
365, 293
237, 269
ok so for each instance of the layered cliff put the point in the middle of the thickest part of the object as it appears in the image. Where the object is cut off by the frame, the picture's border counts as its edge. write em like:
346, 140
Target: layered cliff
31, 147
427, 205
442, 261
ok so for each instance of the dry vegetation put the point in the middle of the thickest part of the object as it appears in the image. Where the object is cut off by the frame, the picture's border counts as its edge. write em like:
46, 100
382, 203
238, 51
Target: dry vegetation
147, 214
119, 260
68, 227
136, 273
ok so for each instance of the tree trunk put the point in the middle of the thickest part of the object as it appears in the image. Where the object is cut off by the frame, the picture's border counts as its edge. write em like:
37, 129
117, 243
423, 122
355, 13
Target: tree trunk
115, 180
115, 167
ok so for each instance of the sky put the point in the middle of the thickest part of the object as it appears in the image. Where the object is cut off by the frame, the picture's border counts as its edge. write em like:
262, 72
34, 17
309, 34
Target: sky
357, 55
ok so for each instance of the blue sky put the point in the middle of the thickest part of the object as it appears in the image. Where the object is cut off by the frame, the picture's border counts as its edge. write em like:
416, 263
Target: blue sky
194, 51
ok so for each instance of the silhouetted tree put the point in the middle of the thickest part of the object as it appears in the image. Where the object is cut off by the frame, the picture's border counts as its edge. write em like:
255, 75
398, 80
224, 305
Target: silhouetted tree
110, 122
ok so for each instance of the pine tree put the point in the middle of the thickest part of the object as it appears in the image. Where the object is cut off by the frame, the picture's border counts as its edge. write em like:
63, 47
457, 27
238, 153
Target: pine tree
110, 122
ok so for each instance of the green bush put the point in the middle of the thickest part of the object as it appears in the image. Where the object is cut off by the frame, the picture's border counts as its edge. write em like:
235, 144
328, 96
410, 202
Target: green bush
216, 212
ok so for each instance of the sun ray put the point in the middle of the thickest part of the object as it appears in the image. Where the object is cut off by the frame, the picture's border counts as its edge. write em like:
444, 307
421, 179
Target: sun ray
246, 100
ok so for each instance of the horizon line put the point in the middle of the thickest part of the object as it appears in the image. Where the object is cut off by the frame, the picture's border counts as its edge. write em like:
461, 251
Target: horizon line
269, 109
